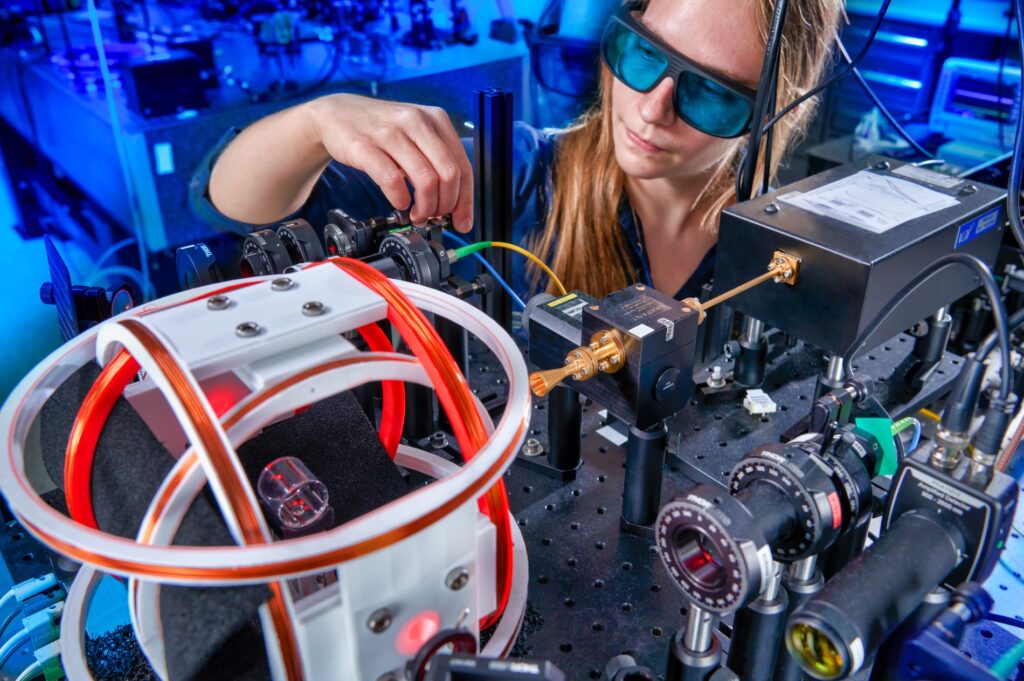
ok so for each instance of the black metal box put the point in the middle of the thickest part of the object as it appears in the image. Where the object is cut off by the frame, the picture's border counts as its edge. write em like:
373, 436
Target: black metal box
862, 231
657, 332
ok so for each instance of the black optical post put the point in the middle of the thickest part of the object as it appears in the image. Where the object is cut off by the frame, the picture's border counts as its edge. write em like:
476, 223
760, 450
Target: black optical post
493, 174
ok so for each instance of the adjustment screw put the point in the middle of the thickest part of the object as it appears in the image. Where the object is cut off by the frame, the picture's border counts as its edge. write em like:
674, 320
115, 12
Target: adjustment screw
313, 308
716, 379
281, 284
968, 190
772, 208
247, 330
218, 303
379, 620
457, 578
532, 447
882, 165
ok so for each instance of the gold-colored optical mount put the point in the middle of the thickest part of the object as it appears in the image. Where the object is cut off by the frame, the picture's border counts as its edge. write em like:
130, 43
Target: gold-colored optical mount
784, 268
604, 354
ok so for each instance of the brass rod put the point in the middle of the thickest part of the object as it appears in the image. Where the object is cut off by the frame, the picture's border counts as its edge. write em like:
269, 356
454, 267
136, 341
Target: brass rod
740, 289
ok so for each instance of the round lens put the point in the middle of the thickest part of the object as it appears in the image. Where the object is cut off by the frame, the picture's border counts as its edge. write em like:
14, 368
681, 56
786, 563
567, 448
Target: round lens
699, 559
816, 652
633, 60
711, 107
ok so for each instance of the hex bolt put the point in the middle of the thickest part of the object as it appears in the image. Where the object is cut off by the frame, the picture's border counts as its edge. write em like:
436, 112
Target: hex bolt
281, 284
218, 303
457, 578
379, 620
532, 447
439, 440
313, 308
247, 330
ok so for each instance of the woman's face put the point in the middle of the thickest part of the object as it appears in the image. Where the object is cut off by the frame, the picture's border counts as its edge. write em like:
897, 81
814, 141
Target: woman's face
651, 141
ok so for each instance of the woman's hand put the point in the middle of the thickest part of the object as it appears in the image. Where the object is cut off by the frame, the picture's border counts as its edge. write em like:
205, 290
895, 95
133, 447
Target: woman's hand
392, 143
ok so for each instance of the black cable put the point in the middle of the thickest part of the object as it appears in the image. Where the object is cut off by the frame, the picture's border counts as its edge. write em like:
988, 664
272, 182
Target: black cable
769, 74
1015, 322
1003, 619
1017, 166
838, 74
769, 139
988, 282
882, 108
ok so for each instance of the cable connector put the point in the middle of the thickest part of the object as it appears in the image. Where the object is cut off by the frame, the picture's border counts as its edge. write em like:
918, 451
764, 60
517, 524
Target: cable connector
988, 441
963, 398
33, 587
43, 627
48, 659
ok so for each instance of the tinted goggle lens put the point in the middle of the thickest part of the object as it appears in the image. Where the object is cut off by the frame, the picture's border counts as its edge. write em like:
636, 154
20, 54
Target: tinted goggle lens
708, 106
633, 60
711, 107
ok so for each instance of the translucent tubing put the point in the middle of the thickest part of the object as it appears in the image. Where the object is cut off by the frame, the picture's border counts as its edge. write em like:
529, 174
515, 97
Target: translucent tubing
456, 399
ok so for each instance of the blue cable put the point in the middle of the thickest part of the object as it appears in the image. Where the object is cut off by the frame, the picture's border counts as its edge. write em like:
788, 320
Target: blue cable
494, 273
916, 439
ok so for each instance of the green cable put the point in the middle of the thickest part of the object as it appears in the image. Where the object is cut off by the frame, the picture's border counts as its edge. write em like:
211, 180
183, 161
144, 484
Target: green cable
471, 248
1005, 665
901, 425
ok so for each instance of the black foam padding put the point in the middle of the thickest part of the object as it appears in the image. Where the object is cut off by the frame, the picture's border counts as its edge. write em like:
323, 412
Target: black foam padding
340, 446
128, 468
335, 440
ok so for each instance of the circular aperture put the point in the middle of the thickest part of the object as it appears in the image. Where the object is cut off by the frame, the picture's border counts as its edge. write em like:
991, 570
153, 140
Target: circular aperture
816, 652
701, 563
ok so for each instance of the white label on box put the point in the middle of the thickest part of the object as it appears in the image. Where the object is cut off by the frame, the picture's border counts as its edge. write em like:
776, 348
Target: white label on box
873, 202
928, 176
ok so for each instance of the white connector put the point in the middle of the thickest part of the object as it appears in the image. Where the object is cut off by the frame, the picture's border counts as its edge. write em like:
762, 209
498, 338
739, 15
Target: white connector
757, 403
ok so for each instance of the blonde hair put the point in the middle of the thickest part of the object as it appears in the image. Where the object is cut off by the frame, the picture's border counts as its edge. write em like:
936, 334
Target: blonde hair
588, 184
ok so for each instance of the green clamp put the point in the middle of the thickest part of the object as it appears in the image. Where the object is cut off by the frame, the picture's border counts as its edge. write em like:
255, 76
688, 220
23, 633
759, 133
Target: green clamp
880, 430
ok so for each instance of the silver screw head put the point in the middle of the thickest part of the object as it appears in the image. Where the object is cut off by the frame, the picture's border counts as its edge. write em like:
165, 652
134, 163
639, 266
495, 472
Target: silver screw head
313, 308
379, 620
218, 303
771, 208
968, 190
457, 578
247, 330
281, 284
882, 165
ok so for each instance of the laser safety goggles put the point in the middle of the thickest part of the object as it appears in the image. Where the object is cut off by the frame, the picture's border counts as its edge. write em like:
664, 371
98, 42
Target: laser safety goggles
708, 102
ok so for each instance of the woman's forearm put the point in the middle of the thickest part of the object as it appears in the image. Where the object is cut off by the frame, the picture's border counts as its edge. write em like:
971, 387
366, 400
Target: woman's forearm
268, 171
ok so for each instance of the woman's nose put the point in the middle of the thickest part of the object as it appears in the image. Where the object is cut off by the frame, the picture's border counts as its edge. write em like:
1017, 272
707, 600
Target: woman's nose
656, 106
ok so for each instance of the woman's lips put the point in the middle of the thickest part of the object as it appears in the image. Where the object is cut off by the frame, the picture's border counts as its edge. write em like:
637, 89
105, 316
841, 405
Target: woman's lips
643, 144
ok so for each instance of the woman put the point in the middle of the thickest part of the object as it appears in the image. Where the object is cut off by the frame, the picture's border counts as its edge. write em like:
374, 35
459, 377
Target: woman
631, 193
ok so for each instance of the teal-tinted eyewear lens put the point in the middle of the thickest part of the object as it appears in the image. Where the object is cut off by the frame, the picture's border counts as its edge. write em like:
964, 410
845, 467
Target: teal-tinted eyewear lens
633, 60
635, 57
710, 107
